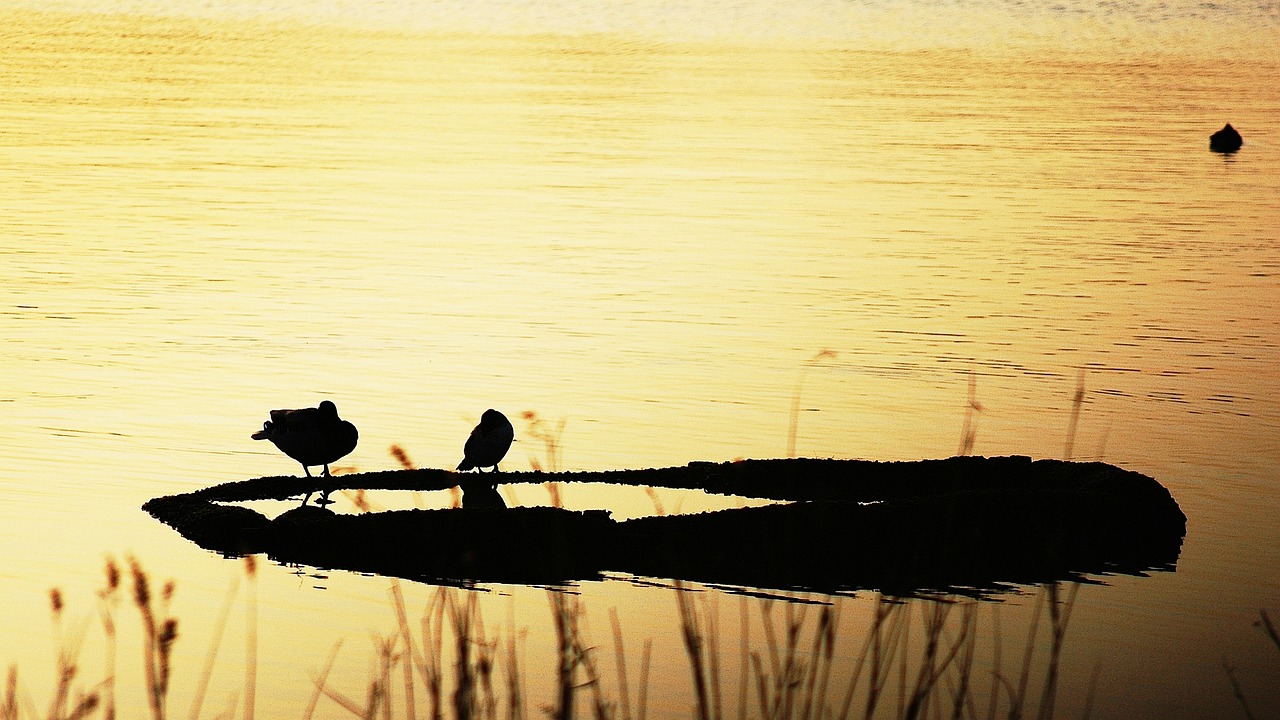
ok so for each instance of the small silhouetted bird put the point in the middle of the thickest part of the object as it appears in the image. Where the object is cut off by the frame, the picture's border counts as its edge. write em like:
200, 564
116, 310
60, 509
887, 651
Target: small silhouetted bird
488, 443
1226, 140
312, 436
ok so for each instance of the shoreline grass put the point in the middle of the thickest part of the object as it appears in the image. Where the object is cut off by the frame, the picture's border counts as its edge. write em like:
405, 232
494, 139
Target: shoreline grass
914, 658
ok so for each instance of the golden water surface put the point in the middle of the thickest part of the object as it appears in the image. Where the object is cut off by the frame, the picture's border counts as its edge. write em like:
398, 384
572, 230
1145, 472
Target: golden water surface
658, 230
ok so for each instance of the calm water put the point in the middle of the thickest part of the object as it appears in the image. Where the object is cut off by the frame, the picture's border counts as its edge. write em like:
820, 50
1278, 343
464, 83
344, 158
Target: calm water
648, 223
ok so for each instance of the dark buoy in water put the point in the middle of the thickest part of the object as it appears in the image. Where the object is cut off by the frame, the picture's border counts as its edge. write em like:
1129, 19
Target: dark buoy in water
1226, 140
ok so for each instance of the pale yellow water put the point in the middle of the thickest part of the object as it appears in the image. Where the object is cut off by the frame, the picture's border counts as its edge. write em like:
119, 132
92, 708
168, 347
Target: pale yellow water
649, 223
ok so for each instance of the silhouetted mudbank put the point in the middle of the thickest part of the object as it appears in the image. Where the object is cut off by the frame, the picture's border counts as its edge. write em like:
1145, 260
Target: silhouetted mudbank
961, 523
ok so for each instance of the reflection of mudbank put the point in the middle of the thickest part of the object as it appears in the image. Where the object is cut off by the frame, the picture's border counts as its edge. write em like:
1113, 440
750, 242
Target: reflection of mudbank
966, 522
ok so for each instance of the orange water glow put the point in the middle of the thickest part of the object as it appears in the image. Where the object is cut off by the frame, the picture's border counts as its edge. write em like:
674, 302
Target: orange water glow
652, 231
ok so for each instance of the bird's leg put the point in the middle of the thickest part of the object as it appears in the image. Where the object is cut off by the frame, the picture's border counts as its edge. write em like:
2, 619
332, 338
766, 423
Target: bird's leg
324, 498
306, 497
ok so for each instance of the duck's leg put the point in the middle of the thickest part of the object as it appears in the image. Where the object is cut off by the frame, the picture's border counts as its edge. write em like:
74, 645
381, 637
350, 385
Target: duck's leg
324, 498
306, 497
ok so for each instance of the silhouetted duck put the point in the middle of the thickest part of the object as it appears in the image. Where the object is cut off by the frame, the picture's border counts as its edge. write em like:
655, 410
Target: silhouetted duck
1226, 140
488, 443
312, 436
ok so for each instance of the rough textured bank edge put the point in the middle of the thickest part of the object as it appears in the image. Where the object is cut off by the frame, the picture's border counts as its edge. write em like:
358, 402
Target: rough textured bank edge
959, 524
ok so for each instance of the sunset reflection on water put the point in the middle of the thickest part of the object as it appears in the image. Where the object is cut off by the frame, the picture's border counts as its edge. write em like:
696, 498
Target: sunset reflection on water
648, 234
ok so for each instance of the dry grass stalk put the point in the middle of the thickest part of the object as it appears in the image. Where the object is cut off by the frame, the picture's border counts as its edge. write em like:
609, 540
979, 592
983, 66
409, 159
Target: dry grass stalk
360, 499
553, 489
159, 634
657, 502
539, 429
573, 654
380, 700
10, 709
320, 680
108, 600
564, 614
796, 675
972, 410
464, 695
700, 647
1236, 690
206, 673
1269, 628
429, 663
406, 637
406, 463
621, 660
1017, 700
937, 658
793, 425
345, 702
66, 666
401, 457
1059, 617
251, 639
1077, 402
514, 677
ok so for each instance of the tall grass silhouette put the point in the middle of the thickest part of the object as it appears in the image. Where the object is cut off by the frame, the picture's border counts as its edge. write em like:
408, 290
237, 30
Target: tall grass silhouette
794, 423
1077, 402
1268, 628
540, 429
916, 659
972, 411
401, 457
797, 674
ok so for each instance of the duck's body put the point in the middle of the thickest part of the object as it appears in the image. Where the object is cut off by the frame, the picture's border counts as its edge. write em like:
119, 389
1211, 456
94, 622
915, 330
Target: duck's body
312, 436
488, 443
1226, 140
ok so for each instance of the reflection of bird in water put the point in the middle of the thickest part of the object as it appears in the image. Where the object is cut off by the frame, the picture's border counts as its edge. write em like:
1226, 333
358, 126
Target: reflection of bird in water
488, 443
481, 494
312, 436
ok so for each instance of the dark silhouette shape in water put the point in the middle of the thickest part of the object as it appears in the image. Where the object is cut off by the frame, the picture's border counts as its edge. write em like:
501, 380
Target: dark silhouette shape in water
312, 436
481, 495
488, 443
1226, 140
965, 524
